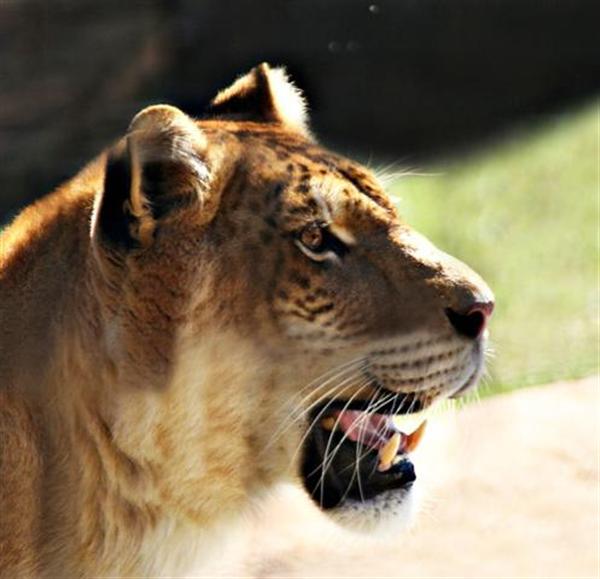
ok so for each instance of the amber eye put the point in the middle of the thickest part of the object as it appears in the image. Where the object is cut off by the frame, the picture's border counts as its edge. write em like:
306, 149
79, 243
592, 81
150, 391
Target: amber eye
312, 237
318, 243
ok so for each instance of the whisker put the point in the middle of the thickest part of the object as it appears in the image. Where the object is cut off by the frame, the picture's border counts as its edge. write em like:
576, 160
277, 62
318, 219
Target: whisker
330, 438
298, 412
330, 376
353, 366
331, 373
358, 364
361, 418
356, 421
390, 398
286, 425
371, 409
359, 455
317, 418
394, 400
414, 401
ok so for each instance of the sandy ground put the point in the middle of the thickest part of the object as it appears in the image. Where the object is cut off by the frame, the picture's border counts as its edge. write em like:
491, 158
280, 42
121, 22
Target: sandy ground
511, 489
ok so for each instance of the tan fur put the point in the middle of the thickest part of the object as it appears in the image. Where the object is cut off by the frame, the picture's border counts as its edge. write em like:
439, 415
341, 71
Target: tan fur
157, 334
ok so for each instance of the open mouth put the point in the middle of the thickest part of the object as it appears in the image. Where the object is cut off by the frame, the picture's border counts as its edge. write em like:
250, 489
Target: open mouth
354, 453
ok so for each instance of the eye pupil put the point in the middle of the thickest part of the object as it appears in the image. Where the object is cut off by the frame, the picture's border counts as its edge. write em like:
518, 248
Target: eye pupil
312, 237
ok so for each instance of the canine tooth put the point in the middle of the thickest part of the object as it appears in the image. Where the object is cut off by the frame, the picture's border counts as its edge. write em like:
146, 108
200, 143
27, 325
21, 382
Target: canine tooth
388, 451
328, 423
412, 440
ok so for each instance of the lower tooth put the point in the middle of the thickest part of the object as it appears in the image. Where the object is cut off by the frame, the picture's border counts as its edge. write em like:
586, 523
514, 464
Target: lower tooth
388, 452
328, 423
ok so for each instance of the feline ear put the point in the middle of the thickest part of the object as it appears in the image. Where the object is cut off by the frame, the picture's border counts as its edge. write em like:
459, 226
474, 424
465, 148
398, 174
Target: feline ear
158, 168
263, 95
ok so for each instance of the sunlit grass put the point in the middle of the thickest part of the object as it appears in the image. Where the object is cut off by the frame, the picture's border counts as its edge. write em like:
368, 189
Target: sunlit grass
524, 214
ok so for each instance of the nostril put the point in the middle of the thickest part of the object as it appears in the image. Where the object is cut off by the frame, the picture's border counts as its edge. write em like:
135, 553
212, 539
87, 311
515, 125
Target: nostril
471, 323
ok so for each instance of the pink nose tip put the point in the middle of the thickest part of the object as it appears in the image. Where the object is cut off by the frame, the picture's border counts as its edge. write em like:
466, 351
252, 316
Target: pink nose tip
473, 321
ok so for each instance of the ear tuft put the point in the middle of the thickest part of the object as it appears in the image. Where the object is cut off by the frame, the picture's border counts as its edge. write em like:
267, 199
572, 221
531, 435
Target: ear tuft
288, 101
264, 95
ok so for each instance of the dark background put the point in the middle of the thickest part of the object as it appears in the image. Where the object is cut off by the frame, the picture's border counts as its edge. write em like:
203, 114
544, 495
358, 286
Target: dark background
391, 79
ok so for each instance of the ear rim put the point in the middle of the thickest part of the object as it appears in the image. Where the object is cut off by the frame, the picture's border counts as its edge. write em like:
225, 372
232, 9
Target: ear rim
157, 122
159, 133
264, 95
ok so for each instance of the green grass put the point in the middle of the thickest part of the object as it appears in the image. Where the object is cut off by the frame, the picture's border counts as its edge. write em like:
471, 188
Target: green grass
524, 214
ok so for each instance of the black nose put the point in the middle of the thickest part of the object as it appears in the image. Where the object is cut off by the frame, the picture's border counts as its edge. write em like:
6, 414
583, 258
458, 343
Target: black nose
473, 321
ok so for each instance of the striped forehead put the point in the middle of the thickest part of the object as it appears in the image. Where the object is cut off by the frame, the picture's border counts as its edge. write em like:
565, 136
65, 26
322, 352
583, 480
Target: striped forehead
337, 195
305, 163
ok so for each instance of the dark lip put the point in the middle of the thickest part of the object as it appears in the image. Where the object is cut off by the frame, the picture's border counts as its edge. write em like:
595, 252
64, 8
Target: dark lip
399, 403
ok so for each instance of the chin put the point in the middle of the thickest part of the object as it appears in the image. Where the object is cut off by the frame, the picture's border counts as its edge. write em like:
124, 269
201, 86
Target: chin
387, 513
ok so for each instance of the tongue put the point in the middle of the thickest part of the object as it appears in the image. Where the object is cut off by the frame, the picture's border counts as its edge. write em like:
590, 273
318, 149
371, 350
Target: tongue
372, 430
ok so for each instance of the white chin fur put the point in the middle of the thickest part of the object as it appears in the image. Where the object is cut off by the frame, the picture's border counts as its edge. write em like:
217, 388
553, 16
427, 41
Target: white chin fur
390, 511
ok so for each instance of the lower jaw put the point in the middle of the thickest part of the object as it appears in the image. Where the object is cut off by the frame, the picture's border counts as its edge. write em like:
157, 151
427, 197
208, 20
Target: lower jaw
389, 513
347, 481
